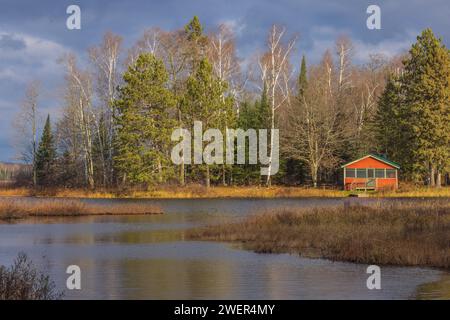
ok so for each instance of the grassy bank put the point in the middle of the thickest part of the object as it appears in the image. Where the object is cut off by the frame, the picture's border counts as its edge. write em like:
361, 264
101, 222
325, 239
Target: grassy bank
196, 191
175, 192
18, 208
410, 234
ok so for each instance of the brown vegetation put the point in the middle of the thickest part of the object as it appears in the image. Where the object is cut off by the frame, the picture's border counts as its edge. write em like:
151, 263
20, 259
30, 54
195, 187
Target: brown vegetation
400, 233
175, 192
17, 208
198, 191
22, 281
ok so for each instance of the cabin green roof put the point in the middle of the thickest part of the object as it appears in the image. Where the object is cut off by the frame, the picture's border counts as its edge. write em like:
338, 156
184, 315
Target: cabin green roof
377, 157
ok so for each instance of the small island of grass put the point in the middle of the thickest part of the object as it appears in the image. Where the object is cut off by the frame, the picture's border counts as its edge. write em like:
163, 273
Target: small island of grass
401, 233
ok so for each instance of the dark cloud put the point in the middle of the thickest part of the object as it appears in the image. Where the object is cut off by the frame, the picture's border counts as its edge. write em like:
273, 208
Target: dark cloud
37, 30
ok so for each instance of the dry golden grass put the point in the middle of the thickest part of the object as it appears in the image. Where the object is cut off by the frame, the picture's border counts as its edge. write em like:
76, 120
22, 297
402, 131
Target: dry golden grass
416, 192
174, 192
401, 233
198, 191
18, 208
16, 192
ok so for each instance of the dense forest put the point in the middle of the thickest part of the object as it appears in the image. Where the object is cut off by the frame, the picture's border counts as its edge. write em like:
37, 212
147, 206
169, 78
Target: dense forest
120, 109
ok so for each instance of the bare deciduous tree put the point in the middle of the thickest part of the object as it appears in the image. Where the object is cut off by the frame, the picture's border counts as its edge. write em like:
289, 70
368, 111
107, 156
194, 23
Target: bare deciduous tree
312, 134
149, 42
105, 59
274, 71
344, 50
222, 55
26, 124
79, 99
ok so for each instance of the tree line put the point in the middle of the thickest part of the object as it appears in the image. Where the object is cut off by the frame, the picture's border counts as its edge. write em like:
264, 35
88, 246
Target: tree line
119, 111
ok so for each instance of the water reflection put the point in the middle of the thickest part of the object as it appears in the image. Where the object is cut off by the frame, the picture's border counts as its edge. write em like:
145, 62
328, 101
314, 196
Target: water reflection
146, 257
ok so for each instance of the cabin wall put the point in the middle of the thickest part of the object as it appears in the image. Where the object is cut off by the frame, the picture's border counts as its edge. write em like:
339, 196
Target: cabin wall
381, 183
371, 163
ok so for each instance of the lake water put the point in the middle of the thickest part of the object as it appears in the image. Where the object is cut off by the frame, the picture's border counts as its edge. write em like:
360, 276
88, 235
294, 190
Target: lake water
147, 257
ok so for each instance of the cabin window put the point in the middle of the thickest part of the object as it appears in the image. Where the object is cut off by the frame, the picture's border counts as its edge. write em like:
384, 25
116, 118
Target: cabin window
349, 173
361, 173
379, 173
370, 173
390, 173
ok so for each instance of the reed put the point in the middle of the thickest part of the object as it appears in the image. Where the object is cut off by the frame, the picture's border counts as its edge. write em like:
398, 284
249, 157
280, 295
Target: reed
401, 233
18, 208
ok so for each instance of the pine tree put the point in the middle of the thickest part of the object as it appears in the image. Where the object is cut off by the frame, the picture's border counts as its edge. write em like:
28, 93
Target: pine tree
426, 84
46, 156
194, 29
196, 43
144, 122
204, 102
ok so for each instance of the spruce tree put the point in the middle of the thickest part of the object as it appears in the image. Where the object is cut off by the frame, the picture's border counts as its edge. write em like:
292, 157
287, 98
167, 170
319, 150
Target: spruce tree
264, 111
46, 156
386, 119
302, 79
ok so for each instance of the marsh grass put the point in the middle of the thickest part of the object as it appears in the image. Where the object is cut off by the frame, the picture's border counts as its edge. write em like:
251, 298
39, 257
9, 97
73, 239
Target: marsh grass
17, 208
199, 191
176, 192
401, 233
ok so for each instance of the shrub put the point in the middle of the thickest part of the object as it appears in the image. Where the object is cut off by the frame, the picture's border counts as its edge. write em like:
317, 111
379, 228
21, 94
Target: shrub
22, 281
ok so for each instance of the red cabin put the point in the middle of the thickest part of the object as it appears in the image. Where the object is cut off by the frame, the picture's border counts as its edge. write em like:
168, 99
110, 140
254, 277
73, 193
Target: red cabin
371, 172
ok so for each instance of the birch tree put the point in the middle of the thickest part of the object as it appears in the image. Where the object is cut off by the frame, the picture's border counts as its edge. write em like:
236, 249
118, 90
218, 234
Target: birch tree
105, 59
79, 96
275, 72
225, 64
149, 42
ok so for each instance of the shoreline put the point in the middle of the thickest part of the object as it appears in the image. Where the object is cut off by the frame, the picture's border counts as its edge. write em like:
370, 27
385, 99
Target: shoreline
220, 192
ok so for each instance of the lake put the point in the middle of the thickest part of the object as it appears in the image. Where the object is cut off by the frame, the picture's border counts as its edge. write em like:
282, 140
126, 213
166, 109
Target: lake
147, 257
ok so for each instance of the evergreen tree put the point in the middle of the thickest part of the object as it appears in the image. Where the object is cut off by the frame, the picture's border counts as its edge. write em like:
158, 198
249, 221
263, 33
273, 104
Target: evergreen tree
46, 156
263, 111
413, 112
426, 84
194, 29
292, 168
302, 79
196, 43
248, 174
388, 125
144, 122
204, 102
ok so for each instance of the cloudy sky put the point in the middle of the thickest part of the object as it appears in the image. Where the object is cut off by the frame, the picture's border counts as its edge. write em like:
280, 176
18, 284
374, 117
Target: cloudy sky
33, 34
